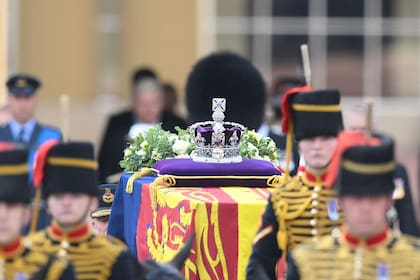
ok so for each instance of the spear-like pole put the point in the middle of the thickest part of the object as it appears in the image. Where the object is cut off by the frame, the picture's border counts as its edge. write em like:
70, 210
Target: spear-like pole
306, 64
65, 116
369, 126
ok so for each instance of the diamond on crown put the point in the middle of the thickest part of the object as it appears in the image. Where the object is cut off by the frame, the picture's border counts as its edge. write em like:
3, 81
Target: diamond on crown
217, 141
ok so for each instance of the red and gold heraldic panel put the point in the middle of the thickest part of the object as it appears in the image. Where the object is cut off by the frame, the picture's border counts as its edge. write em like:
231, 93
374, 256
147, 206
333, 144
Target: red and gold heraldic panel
225, 220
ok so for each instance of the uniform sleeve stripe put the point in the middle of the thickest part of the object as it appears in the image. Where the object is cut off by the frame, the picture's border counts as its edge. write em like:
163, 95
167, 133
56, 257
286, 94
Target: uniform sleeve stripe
263, 233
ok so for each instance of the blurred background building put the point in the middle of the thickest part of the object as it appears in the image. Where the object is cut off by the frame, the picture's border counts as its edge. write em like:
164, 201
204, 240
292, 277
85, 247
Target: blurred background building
88, 49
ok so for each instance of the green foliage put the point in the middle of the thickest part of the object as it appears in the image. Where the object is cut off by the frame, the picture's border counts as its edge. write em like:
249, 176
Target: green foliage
147, 148
256, 146
157, 144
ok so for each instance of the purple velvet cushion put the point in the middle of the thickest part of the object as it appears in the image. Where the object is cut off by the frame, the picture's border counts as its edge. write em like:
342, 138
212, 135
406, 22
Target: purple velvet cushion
249, 172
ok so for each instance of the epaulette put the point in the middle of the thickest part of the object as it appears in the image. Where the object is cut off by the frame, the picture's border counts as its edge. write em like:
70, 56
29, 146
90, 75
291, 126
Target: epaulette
107, 243
37, 237
115, 241
294, 183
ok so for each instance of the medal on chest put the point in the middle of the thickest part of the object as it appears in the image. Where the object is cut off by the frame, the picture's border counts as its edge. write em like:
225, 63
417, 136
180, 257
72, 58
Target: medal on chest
382, 271
333, 210
21, 276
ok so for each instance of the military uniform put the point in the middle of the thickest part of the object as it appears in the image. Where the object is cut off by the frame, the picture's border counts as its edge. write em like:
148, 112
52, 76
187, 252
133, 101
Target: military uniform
302, 208
25, 86
364, 171
346, 257
71, 168
18, 260
31, 134
299, 211
93, 256
106, 198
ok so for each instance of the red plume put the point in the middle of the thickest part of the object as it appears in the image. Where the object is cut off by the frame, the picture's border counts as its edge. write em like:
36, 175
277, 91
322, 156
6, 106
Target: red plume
346, 139
285, 105
40, 161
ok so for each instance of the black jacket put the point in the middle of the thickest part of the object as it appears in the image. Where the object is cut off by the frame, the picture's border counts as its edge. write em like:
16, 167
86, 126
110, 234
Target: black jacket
114, 140
404, 206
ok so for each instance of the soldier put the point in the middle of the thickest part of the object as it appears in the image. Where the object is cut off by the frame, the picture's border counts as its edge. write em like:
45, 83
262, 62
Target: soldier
100, 216
23, 129
67, 172
17, 259
365, 248
355, 119
302, 208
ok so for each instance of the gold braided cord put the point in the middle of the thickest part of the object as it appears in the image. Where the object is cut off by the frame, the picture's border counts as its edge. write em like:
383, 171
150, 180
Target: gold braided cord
326, 259
56, 269
30, 262
316, 108
136, 176
289, 149
171, 180
368, 168
281, 209
92, 258
73, 162
37, 205
292, 207
101, 213
277, 181
14, 169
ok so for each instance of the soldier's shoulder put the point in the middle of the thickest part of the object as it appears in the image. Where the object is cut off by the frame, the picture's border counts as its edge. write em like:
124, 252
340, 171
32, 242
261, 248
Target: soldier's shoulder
35, 238
292, 184
115, 241
108, 243
310, 251
412, 241
33, 256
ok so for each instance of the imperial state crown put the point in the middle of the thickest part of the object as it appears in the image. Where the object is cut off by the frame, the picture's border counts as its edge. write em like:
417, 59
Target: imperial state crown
217, 140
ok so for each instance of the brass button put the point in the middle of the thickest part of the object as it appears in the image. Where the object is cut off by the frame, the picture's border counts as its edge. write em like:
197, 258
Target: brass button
314, 211
314, 232
62, 253
65, 244
315, 195
335, 232
317, 188
313, 222
315, 202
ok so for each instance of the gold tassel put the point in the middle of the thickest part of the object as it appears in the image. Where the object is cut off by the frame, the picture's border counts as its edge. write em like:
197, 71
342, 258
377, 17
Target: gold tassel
276, 181
37, 205
289, 148
136, 175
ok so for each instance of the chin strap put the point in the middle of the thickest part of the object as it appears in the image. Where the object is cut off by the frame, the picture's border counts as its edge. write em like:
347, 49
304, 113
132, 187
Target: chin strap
392, 217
